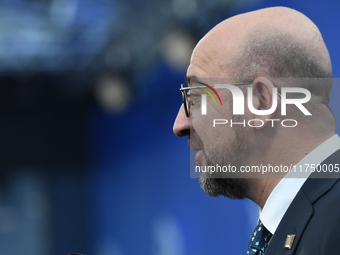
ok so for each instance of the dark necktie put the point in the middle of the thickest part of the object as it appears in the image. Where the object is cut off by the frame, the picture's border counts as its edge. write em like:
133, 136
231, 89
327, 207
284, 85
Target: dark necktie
259, 240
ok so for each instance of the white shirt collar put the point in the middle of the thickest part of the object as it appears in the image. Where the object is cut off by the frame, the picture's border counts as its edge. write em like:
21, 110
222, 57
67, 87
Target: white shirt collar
286, 190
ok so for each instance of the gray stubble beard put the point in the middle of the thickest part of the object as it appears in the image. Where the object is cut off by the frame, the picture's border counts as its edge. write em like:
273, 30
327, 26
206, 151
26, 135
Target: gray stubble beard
233, 154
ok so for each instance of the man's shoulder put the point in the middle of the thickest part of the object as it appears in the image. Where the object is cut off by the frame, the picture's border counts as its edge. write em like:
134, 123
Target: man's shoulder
313, 216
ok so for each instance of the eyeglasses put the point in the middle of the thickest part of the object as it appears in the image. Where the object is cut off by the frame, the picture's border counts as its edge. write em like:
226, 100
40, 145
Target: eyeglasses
185, 99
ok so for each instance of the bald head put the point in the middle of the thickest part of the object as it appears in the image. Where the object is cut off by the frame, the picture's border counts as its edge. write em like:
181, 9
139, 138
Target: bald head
265, 42
275, 42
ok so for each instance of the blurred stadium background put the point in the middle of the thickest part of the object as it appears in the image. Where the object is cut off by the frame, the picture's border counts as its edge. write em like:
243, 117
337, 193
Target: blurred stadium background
88, 95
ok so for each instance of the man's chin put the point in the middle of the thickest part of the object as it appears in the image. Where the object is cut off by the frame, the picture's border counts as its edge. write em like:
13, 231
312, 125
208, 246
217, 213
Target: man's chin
209, 187
233, 188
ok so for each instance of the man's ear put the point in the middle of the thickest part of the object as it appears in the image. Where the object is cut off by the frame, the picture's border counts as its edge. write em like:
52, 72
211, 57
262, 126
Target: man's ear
264, 100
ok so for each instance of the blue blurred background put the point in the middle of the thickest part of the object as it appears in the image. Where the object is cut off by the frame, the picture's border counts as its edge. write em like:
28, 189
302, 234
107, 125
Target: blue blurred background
89, 93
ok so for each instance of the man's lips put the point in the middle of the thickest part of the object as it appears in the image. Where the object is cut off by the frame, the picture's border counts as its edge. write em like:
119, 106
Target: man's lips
196, 148
196, 144
199, 158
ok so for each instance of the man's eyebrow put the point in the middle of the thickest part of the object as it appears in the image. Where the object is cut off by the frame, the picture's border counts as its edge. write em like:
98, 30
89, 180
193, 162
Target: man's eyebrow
189, 79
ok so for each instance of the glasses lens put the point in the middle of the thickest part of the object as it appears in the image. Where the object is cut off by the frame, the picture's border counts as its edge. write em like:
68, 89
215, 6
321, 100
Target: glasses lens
185, 101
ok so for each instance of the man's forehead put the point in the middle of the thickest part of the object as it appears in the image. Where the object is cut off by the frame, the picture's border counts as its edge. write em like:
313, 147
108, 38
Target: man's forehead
211, 57
200, 71
194, 73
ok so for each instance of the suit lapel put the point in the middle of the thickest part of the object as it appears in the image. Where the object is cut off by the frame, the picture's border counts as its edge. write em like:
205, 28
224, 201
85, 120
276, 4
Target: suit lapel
293, 223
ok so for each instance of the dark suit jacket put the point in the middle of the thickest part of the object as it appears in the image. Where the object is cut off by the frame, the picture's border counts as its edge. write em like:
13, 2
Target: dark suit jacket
313, 216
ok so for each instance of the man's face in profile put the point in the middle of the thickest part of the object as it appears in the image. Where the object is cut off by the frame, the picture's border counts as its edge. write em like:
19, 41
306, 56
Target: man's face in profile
221, 145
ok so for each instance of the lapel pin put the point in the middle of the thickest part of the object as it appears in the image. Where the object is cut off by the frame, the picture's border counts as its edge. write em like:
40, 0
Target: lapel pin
289, 242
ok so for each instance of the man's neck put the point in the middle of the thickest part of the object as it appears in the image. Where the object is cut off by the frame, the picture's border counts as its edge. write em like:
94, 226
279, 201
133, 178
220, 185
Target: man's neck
261, 189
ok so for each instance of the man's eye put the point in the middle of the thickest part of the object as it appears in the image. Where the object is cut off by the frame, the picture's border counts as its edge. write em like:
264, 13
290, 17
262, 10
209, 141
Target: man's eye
192, 100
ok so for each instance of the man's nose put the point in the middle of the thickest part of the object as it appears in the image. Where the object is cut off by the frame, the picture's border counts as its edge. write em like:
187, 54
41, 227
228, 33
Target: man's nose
182, 123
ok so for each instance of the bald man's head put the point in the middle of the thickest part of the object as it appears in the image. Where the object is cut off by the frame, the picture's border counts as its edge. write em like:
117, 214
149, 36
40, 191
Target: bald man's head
275, 42
271, 47
267, 42
270, 52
